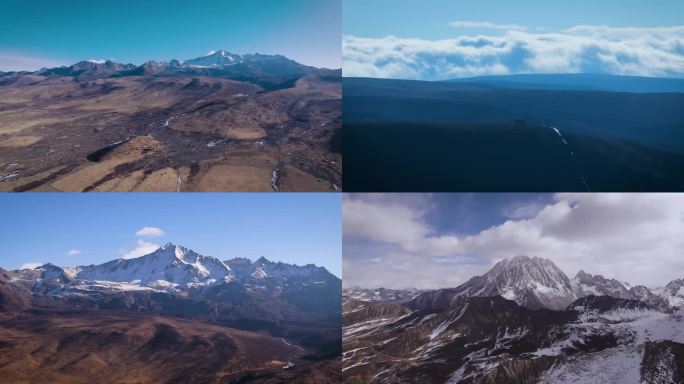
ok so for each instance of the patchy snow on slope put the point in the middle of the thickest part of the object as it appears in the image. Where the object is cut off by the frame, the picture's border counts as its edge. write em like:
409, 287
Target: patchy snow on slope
631, 327
615, 366
444, 325
370, 325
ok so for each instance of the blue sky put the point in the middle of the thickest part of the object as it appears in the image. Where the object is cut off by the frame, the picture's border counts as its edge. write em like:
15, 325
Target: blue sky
446, 39
430, 19
47, 32
444, 239
297, 228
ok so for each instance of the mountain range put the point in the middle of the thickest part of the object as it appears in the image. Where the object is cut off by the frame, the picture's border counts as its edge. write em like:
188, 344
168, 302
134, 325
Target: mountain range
267, 290
524, 321
261, 320
269, 71
535, 282
219, 122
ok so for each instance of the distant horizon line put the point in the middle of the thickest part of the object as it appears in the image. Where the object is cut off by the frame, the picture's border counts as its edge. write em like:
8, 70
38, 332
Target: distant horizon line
518, 74
115, 60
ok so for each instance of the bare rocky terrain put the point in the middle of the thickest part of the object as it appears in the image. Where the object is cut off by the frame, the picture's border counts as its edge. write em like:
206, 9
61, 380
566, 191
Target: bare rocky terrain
221, 122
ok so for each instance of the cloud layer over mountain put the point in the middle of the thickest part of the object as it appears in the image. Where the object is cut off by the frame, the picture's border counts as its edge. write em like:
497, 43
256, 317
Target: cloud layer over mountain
657, 51
632, 237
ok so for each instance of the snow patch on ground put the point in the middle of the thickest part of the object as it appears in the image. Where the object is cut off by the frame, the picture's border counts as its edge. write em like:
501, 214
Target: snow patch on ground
615, 366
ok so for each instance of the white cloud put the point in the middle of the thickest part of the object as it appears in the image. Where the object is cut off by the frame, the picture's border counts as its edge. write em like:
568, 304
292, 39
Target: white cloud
99, 61
73, 252
143, 248
393, 223
631, 237
657, 51
31, 265
150, 232
485, 25
10, 61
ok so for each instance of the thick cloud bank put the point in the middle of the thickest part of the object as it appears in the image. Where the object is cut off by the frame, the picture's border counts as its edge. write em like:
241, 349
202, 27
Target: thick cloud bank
581, 49
636, 238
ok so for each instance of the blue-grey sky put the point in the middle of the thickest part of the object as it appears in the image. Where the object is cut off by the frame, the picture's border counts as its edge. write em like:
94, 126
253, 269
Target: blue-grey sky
444, 239
429, 19
47, 33
443, 39
70, 229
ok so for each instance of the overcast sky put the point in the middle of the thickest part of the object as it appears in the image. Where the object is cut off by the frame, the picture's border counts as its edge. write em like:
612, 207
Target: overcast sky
446, 39
441, 240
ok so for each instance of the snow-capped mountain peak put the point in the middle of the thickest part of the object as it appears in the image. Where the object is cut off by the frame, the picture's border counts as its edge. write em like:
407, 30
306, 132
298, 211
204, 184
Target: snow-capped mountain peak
171, 263
600, 286
673, 293
215, 58
675, 287
533, 282
50, 271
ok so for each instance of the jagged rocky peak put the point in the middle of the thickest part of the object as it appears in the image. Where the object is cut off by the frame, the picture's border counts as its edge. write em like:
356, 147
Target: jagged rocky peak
171, 263
532, 282
238, 261
262, 261
215, 58
50, 271
599, 285
108, 65
675, 287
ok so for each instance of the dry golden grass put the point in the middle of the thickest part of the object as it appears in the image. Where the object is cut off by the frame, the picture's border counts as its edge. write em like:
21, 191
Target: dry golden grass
17, 121
19, 141
238, 178
163, 180
121, 184
294, 180
15, 183
92, 173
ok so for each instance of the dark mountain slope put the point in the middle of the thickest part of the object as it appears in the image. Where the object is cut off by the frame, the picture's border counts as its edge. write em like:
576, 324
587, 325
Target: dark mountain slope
421, 157
650, 119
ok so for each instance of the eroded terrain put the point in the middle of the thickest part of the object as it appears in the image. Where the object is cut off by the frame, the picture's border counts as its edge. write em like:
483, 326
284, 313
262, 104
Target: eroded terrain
169, 133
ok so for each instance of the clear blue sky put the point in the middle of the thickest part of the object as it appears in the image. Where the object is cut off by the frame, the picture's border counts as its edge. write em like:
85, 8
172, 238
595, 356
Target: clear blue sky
137, 31
430, 19
297, 228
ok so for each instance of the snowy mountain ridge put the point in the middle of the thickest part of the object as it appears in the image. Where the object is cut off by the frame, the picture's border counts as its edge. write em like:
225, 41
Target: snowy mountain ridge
600, 286
173, 267
535, 282
172, 263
